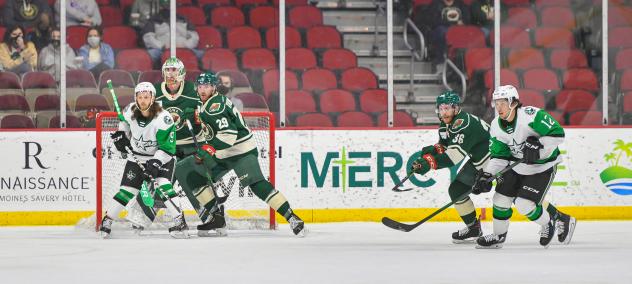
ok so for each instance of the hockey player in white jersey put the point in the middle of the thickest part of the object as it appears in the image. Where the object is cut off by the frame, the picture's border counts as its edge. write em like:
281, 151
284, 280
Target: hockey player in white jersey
531, 134
149, 132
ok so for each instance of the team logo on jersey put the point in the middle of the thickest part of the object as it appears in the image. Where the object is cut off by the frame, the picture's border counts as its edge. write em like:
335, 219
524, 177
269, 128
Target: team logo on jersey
214, 107
143, 144
529, 110
176, 117
457, 123
130, 175
168, 120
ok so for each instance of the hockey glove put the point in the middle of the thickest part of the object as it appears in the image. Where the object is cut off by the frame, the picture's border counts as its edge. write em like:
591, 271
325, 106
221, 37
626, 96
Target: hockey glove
205, 152
531, 150
482, 182
424, 164
152, 168
120, 141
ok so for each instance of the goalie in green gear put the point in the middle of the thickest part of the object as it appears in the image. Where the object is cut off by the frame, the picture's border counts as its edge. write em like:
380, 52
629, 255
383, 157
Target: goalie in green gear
461, 135
230, 146
149, 132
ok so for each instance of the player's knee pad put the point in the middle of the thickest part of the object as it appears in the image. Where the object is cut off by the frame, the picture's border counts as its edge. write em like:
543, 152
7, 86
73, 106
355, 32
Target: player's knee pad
204, 195
464, 207
502, 206
165, 188
525, 206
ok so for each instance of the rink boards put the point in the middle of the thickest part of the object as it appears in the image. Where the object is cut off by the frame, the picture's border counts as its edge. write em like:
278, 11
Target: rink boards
48, 177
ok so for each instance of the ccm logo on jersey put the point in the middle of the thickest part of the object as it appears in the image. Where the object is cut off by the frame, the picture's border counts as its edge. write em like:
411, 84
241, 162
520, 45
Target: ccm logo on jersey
530, 189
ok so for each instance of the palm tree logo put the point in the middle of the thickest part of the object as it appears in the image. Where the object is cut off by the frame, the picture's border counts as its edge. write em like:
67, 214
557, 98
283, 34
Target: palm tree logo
617, 178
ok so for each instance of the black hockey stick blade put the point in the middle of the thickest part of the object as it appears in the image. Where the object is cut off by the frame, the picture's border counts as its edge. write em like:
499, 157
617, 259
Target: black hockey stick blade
388, 222
396, 187
403, 189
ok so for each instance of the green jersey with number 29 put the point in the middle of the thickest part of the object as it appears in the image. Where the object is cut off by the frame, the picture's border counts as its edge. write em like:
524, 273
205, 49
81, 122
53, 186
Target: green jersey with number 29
224, 128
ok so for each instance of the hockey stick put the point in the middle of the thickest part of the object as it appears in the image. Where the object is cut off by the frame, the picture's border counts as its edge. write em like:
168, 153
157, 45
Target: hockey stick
396, 187
115, 101
409, 227
220, 200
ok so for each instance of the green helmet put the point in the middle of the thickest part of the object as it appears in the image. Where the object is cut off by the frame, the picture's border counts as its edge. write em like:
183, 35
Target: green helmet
449, 98
207, 78
174, 62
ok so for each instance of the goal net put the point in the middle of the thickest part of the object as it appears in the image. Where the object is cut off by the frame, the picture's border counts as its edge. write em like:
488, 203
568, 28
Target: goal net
243, 209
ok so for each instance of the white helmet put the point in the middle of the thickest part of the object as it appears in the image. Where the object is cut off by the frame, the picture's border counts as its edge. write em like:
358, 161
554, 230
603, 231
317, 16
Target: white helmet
174, 62
145, 87
507, 92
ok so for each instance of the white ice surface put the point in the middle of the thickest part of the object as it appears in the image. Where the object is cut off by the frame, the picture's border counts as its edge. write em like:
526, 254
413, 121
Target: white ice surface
600, 252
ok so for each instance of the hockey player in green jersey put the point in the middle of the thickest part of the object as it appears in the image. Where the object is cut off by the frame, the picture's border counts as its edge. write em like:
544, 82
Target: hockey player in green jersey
461, 135
230, 146
149, 132
531, 134
180, 99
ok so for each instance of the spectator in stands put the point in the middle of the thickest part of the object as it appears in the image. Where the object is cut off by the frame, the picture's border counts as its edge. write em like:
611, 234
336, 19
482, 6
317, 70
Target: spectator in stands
50, 57
40, 35
442, 15
16, 54
482, 14
24, 13
97, 55
227, 85
80, 12
142, 11
156, 34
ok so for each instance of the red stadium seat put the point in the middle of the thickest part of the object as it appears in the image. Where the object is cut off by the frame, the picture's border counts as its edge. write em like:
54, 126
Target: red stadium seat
551, 37
516, 2
264, 17
119, 78
48, 102
558, 116
300, 59
477, 59
101, 3
187, 56
323, 37
561, 17
238, 78
400, 119
525, 58
304, 17
240, 3
9, 80
299, 101
136, 59
512, 37
465, 37
358, 79
76, 36
625, 80
521, 17
216, 59
354, 119
563, 58
619, 16
337, 100
314, 120
374, 100
532, 98
620, 37
203, 3
111, 16
627, 102
271, 82
253, 101
292, 38
258, 59
290, 2
507, 77
192, 75
38, 80
16, 121
574, 100
581, 78
195, 15
243, 37
72, 121
318, 80
540, 4
227, 17
210, 37
152, 76
623, 59
13, 103
90, 101
339, 59
120, 37
80, 78
590, 117
541, 79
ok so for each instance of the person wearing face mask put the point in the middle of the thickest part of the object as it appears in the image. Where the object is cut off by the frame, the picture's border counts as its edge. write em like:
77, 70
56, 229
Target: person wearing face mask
50, 58
16, 54
97, 56
80, 12
40, 36
156, 34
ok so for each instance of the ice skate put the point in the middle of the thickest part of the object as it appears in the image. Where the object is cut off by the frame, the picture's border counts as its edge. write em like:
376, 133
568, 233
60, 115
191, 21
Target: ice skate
297, 225
546, 233
216, 227
469, 234
106, 227
491, 241
565, 228
180, 229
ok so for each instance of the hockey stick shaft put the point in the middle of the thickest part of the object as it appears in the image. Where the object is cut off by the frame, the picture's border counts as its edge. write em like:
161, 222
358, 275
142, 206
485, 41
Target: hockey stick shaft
409, 227
396, 187
115, 101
